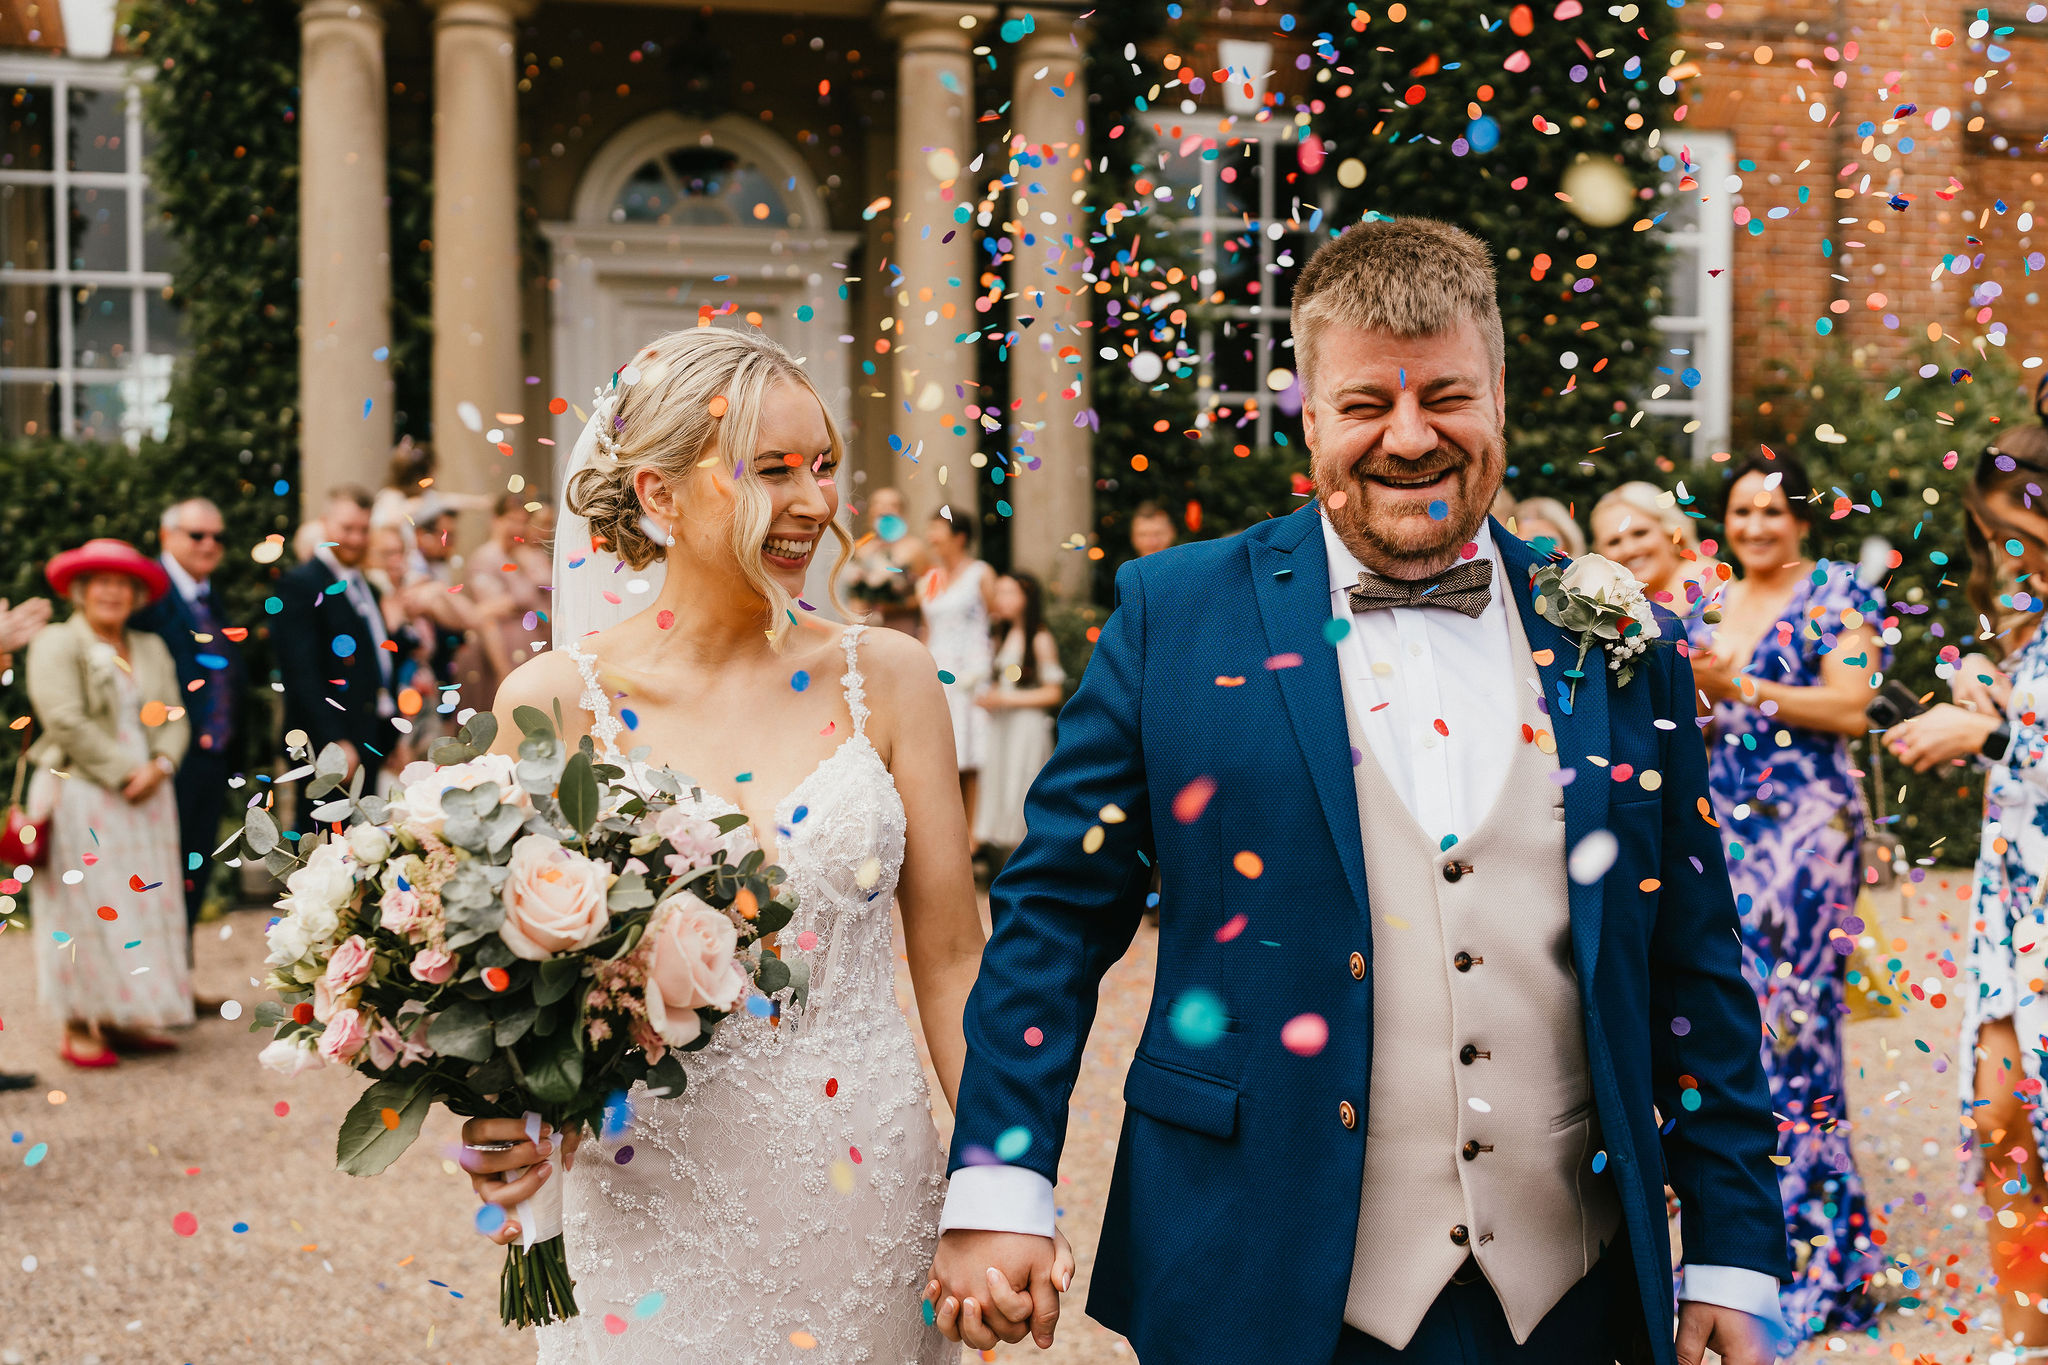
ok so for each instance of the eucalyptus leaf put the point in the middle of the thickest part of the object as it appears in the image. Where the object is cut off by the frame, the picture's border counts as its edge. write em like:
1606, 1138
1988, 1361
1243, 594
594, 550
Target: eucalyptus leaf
492, 952
534, 723
464, 830
554, 1068
366, 1144
280, 861
462, 1030
667, 1077
578, 794
510, 1028
772, 975
268, 1014
504, 824
355, 782
480, 731
329, 811
800, 981
728, 823
448, 752
493, 1077
772, 917
557, 976
617, 946
259, 831
375, 808
629, 892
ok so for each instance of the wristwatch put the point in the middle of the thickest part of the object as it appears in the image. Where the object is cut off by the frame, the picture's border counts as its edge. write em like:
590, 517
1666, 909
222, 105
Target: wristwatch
168, 768
1996, 743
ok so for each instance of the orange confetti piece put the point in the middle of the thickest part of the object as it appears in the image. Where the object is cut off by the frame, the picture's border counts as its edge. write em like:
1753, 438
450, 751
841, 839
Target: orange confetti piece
390, 1118
746, 904
803, 1341
717, 406
108, 912
1544, 657
235, 633
410, 702
155, 713
1648, 884
1249, 864
1707, 813
1229, 682
497, 978
1193, 799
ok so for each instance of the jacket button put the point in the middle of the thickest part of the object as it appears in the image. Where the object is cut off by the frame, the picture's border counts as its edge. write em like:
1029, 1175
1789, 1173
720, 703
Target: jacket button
1469, 1053
1453, 871
1347, 1114
1357, 967
1459, 1236
1468, 1151
1463, 962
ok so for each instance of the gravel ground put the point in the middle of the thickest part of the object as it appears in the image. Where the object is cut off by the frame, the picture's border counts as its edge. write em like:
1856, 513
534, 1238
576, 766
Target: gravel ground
291, 1260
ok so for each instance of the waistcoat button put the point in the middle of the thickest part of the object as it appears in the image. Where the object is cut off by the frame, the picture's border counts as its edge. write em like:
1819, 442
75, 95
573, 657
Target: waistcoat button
1357, 967
1463, 962
1470, 1149
1453, 871
1459, 1236
1347, 1114
1468, 1053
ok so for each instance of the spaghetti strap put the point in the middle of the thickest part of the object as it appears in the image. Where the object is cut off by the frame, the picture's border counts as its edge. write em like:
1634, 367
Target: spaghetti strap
856, 690
604, 726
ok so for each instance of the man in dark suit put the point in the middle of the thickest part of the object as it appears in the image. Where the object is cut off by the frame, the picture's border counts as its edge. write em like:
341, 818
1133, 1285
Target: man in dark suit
333, 651
210, 670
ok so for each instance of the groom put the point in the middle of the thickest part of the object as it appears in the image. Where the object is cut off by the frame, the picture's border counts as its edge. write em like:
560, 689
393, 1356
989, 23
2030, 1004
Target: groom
1407, 1090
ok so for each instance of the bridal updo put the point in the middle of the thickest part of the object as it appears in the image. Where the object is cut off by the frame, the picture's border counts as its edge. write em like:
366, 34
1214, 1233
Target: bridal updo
683, 394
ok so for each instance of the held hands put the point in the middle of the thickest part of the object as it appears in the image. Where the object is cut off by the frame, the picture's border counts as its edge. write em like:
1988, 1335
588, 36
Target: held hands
1740, 1338
999, 1286
514, 1175
141, 783
1938, 734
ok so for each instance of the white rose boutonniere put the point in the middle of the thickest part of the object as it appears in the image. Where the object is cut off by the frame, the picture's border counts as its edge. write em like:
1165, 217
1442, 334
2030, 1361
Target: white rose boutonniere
1600, 602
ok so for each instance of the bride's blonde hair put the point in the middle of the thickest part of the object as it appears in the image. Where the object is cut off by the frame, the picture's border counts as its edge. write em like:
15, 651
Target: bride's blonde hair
664, 420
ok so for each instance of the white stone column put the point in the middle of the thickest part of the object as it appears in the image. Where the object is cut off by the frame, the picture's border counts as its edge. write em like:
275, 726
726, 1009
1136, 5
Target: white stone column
933, 300
1051, 487
477, 322
344, 249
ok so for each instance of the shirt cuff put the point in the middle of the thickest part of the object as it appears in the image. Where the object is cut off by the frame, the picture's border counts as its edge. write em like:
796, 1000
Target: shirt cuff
1746, 1291
999, 1199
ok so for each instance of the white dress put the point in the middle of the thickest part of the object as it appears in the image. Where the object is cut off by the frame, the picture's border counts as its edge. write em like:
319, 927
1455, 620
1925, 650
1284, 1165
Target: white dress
785, 1206
1019, 743
956, 632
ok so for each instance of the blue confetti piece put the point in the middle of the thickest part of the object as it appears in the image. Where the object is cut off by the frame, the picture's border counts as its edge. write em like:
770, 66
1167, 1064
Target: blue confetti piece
1013, 1143
36, 1154
193, 860
1335, 629
241, 1227
744, 777
800, 680
796, 817
649, 1304
489, 1218
381, 353
1689, 1099
59, 936
760, 1006
945, 677
344, 646
627, 715
1439, 509
211, 660
931, 1315
1198, 1018
1599, 1162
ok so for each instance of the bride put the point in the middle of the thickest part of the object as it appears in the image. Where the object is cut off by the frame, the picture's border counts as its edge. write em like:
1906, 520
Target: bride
786, 1205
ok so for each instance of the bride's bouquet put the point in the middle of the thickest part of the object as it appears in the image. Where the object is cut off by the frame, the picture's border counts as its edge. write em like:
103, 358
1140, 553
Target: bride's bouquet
511, 937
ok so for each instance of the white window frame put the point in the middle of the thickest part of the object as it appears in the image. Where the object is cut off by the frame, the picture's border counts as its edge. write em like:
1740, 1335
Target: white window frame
1712, 242
145, 380
1206, 230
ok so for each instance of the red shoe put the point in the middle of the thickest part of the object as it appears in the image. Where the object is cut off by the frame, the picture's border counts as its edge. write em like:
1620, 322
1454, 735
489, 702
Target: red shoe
131, 1041
105, 1056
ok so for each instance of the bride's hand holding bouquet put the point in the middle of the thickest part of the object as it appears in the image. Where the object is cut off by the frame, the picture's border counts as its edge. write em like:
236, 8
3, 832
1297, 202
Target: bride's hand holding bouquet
521, 939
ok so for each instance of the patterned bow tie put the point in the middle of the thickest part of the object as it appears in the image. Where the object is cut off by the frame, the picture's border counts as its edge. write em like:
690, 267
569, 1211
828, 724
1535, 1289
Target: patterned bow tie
1466, 587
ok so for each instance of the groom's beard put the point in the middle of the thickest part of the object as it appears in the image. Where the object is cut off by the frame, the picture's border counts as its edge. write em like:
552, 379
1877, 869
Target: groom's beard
1393, 533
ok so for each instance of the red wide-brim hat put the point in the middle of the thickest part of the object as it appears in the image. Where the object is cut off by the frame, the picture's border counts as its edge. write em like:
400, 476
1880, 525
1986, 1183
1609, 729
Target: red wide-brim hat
107, 555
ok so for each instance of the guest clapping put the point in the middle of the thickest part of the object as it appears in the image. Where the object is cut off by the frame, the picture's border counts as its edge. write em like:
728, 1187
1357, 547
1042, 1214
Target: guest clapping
111, 711
1546, 524
1640, 527
1786, 675
2003, 727
1027, 689
192, 623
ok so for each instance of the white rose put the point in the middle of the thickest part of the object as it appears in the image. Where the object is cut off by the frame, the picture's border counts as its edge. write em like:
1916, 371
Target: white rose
1599, 577
290, 1056
289, 940
418, 812
327, 881
370, 844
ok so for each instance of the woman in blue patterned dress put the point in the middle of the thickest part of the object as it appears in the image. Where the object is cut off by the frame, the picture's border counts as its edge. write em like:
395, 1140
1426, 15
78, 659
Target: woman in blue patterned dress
1787, 673
2000, 719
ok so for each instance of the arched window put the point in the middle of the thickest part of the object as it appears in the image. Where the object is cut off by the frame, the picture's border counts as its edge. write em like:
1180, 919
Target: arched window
668, 171
703, 186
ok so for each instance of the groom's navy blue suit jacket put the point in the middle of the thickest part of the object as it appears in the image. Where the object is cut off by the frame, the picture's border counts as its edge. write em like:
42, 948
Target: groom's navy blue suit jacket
1231, 1219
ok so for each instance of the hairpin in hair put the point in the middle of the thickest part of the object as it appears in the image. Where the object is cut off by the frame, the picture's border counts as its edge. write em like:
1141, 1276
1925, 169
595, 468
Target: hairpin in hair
605, 413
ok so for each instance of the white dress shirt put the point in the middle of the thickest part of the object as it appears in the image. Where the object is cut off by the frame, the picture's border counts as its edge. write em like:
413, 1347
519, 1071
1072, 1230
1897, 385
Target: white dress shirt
188, 587
365, 603
1429, 690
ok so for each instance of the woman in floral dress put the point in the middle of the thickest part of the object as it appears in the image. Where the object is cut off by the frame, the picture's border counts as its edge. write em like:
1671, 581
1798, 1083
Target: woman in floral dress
1787, 673
2000, 720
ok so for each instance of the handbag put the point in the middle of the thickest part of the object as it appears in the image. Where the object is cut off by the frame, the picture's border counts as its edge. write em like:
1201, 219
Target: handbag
23, 840
1878, 855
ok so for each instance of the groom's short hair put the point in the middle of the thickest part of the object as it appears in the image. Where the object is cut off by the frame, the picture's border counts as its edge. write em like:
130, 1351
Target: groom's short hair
1409, 276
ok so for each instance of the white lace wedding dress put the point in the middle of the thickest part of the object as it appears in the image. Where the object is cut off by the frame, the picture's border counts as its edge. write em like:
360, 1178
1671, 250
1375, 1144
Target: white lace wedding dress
785, 1206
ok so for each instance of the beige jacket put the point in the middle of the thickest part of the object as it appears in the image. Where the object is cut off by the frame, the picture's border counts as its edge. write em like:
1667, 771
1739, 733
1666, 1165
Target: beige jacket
74, 687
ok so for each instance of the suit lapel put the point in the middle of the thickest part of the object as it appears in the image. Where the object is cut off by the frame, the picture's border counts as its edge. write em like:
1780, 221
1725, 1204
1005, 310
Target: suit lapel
1291, 578
1580, 726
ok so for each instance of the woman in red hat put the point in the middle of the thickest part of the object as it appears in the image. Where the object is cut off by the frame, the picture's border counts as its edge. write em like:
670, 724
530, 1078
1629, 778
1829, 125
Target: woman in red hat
111, 959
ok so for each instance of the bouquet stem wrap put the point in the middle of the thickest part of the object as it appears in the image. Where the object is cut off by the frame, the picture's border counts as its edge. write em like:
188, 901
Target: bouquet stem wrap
540, 1218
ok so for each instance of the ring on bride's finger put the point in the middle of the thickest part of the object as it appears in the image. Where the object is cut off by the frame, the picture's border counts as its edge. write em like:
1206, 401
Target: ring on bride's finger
499, 1146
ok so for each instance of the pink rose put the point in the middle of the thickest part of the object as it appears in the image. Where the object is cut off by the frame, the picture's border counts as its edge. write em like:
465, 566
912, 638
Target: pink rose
693, 837
350, 965
554, 900
400, 912
432, 966
346, 1033
327, 999
694, 966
